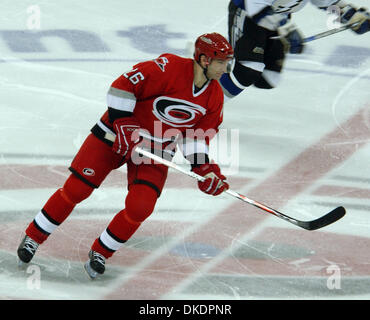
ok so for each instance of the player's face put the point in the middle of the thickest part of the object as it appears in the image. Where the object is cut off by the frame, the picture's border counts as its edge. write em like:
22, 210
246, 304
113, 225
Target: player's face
216, 69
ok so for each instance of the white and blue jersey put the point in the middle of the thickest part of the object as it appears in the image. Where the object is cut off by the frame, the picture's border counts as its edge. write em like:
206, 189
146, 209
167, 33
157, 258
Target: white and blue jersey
271, 14
258, 60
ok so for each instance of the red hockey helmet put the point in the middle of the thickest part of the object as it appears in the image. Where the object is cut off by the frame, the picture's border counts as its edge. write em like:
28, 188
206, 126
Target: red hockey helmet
213, 46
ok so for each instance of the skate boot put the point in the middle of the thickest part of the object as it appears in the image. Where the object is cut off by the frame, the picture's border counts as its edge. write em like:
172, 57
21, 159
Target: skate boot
26, 250
96, 264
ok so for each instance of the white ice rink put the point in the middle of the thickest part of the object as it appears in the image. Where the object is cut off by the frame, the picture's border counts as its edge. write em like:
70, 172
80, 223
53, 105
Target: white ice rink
302, 148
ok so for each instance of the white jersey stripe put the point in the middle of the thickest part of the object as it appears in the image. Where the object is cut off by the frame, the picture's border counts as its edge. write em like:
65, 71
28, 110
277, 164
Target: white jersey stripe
190, 147
120, 103
258, 66
105, 128
44, 223
109, 242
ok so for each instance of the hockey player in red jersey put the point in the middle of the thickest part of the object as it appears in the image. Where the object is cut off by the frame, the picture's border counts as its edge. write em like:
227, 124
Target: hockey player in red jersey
163, 103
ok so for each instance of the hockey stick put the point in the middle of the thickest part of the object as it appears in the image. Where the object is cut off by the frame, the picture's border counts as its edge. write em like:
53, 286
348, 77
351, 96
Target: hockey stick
329, 32
321, 222
323, 34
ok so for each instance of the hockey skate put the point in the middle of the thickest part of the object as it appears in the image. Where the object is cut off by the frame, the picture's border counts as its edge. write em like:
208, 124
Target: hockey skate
96, 264
26, 250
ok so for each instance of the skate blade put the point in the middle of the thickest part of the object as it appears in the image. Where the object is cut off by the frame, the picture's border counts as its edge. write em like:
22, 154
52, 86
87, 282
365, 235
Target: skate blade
22, 265
90, 272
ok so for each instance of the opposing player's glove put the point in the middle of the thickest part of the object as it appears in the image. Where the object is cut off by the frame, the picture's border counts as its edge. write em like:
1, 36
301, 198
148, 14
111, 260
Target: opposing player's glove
215, 182
360, 16
127, 135
291, 38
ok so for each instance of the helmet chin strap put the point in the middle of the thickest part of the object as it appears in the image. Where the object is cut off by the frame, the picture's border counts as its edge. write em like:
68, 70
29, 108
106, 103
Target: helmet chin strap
205, 69
205, 72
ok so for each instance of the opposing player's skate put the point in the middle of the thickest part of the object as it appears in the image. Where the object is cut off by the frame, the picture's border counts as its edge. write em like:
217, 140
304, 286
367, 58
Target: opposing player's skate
96, 264
26, 250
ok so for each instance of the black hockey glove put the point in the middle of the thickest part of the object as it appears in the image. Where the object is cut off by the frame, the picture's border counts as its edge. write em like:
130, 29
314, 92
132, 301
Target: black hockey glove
352, 15
291, 38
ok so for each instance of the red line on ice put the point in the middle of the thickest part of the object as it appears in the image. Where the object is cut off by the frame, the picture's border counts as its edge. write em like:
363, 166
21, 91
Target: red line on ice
233, 222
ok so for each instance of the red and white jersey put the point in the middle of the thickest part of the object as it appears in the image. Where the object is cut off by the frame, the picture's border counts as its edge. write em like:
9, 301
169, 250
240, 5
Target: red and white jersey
161, 95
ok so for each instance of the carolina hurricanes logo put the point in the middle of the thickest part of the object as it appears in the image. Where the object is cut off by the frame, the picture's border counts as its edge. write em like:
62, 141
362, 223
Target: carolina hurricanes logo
88, 172
177, 112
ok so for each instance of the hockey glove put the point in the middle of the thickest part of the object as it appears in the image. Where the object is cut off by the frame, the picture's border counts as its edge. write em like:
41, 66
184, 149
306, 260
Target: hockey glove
127, 135
360, 16
291, 38
215, 182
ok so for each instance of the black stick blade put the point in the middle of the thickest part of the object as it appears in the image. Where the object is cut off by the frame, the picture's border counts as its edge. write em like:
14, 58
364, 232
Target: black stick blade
325, 220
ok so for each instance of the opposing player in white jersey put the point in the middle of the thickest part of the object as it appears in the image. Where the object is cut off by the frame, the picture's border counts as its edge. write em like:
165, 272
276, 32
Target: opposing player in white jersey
258, 58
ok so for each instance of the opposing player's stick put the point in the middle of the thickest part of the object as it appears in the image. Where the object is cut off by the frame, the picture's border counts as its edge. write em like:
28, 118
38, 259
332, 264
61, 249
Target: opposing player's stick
323, 34
329, 32
323, 221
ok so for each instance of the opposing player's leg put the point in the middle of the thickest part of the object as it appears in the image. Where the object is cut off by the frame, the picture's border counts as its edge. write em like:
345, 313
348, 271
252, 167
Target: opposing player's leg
274, 61
146, 182
249, 43
89, 168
